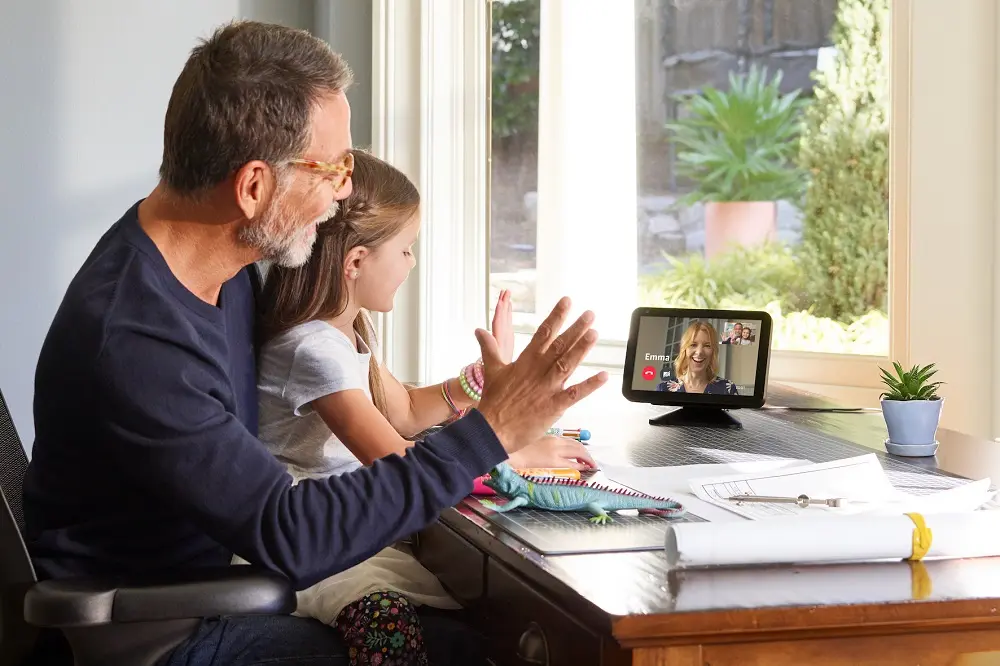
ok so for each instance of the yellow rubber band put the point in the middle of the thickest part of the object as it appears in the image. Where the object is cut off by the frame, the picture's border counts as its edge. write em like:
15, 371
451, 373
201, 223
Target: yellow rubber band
921, 537
920, 581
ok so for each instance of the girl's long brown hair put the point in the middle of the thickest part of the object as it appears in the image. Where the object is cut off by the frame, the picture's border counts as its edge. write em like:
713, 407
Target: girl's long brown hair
382, 202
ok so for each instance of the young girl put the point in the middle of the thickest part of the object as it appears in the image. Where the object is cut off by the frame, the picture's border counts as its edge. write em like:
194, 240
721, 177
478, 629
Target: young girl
327, 406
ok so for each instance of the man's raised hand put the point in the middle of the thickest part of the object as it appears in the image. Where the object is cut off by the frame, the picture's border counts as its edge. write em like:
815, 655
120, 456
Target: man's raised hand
523, 398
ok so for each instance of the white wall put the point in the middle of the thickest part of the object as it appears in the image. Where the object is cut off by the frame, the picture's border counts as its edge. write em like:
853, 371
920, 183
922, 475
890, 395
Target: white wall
347, 25
293, 13
82, 98
953, 171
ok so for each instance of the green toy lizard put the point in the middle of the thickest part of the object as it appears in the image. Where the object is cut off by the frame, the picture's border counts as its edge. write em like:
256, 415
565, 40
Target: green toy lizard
571, 495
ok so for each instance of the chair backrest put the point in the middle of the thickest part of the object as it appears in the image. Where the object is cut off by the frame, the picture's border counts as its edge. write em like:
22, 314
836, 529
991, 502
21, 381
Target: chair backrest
16, 571
13, 465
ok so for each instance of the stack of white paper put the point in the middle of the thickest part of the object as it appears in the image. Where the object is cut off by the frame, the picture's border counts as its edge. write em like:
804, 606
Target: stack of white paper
830, 538
859, 482
675, 482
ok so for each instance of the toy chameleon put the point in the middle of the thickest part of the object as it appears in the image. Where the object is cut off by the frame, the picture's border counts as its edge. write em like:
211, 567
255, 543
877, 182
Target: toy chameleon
571, 495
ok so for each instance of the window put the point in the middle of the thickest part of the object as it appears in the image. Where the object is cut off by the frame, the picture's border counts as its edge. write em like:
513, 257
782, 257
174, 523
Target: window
695, 153
430, 117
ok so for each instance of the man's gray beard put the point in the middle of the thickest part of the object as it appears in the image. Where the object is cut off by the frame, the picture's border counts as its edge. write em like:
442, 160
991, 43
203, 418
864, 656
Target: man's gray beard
288, 245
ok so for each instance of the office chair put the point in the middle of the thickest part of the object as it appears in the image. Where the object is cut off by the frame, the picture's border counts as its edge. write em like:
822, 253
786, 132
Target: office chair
118, 620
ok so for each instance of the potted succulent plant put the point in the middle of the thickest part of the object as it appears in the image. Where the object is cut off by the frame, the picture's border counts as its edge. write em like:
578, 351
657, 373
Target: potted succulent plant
738, 148
912, 409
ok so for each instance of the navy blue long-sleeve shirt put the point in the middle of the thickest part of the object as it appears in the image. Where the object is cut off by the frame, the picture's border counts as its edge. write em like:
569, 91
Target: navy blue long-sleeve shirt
146, 457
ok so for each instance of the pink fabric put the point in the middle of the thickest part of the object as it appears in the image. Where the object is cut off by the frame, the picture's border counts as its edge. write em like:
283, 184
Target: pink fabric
480, 488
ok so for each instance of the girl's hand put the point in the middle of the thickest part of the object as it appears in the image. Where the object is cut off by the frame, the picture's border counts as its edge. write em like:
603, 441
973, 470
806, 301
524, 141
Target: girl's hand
551, 451
503, 326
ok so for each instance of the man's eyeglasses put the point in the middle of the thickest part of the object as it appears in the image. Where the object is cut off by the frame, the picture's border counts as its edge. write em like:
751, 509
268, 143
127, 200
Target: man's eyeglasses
337, 172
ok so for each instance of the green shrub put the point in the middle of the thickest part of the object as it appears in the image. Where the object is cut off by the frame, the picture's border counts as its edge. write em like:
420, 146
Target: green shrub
804, 331
844, 149
867, 335
515, 42
766, 278
756, 274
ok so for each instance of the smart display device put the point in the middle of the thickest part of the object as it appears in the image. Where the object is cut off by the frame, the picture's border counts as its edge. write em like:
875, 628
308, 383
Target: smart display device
706, 362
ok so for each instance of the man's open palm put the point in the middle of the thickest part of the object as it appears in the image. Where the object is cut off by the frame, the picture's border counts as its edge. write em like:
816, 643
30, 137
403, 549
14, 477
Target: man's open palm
523, 398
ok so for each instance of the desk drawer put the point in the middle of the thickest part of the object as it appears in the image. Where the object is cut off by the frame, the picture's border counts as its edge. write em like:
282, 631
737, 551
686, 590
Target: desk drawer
527, 629
460, 566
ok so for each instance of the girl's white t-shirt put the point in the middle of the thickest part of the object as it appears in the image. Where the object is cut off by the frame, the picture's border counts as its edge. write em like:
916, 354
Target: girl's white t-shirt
300, 365
305, 363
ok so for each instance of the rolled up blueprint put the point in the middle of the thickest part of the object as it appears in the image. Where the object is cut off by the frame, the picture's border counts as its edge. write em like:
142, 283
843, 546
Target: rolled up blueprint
701, 589
826, 539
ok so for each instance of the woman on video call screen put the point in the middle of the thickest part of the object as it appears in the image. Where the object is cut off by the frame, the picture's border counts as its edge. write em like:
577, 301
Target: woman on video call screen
696, 366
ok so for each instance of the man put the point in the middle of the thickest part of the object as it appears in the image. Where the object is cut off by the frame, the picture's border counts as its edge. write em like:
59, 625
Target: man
735, 335
145, 457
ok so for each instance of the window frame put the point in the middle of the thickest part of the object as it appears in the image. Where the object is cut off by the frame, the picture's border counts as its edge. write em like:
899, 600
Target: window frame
424, 52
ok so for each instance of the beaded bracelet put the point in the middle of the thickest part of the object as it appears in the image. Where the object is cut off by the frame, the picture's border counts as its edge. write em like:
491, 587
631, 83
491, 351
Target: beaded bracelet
477, 371
446, 393
477, 375
469, 389
474, 375
467, 386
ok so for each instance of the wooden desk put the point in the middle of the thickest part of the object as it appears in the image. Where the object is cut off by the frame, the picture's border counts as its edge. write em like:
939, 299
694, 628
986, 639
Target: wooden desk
626, 608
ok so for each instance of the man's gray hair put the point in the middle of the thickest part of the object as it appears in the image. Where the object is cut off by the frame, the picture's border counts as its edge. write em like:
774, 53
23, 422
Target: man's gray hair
246, 93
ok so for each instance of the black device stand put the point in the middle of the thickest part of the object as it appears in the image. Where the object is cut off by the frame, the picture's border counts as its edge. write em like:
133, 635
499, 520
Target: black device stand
703, 417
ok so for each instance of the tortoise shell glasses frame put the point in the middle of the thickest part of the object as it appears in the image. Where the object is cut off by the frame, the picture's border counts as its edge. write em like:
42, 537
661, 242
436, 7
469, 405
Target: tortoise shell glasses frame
338, 172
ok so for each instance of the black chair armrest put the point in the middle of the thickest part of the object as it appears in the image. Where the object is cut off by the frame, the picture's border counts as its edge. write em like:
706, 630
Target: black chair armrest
87, 602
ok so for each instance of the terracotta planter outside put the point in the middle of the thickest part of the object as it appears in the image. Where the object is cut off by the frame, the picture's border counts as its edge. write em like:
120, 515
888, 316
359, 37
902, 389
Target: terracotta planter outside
735, 223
